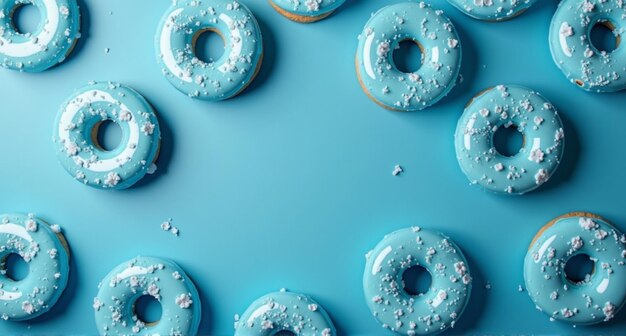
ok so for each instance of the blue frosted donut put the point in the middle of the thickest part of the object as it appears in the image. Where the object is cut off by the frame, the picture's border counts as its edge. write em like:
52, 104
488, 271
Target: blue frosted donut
596, 299
492, 10
434, 311
284, 312
46, 252
146, 276
306, 11
572, 50
224, 78
441, 56
56, 35
76, 129
533, 116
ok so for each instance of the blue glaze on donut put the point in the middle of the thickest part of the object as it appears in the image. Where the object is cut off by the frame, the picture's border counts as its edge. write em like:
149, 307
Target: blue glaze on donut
434, 311
47, 257
81, 156
160, 278
48, 45
308, 8
441, 56
534, 117
284, 311
570, 43
221, 79
595, 300
492, 10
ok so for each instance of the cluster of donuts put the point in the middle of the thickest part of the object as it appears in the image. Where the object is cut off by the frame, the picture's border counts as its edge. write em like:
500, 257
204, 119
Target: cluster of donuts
598, 298
595, 299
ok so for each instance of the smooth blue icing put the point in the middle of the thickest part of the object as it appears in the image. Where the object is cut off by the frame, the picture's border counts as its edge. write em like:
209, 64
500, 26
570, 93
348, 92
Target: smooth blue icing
48, 45
156, 277
492, 10
88, 163
434, 311
48, 266
594, 300
534, 117
441, 56
310, 8
284, 311
221, 79
570, 43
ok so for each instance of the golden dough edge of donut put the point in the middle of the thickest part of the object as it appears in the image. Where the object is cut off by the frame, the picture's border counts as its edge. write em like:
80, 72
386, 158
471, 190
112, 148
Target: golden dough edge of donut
367, 92
567, 215
254, 75
61, 238
299, 18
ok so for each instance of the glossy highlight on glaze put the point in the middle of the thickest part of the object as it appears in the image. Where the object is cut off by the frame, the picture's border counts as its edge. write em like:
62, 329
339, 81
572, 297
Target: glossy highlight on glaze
75, 133
48, 45
429, 313
492, 10
160, 278
594, 300
533, 116
570, 43
284, 312
433, 32
306, 11
45, 251
216, 80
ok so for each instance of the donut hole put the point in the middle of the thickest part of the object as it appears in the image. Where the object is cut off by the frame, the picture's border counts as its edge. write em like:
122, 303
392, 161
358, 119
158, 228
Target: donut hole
285, 333
579, 268
508, 141
148, 310
209, 45
26, 18
408, 56
107, 135
604, 36
14, 267
416, 280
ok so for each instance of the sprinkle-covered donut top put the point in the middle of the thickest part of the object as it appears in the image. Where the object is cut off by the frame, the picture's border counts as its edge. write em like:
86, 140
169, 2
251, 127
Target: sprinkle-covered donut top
48, 45
434, 311
309, 10
75, 134
284, 312
596, 299
45, 251
441, 56
218, 79
532, 115
492, 10
160, 278
570, 43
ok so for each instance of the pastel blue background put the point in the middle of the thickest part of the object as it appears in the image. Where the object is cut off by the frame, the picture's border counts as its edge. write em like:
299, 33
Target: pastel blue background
289, 184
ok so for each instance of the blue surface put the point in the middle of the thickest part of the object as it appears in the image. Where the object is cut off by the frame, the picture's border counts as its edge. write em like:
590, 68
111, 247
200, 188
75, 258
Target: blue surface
289, 184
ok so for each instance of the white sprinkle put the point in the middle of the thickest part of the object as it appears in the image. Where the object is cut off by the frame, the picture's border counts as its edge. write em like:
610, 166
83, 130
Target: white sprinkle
397, 170
183, 301
30, 225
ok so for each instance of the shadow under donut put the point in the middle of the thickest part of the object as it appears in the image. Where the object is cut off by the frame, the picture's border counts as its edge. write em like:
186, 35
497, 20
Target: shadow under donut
207, 313
166, 150
79, 45
68, 295
467, 73
269, 59
475, 306
571, 154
